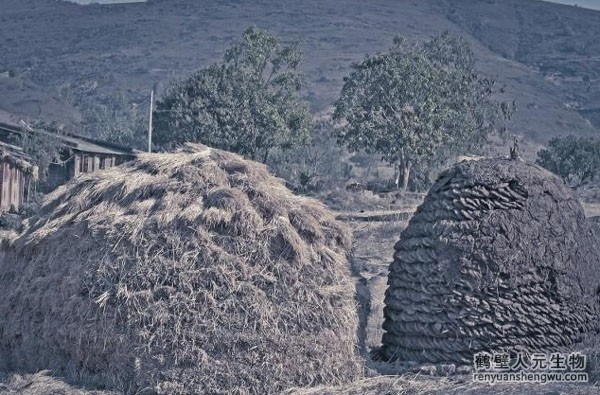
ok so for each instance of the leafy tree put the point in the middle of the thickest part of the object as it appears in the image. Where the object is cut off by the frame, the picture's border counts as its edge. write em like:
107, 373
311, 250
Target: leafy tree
417, 104
575, 159
118, 122
42, 148
313, 166
247, 103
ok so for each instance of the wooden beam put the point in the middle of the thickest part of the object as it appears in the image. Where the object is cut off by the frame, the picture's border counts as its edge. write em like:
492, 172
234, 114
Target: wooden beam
90, 164
76, 165
2, 186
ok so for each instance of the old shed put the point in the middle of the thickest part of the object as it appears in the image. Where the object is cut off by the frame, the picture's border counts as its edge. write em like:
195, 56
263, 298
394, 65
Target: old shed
16, 177
85, 155
78, 154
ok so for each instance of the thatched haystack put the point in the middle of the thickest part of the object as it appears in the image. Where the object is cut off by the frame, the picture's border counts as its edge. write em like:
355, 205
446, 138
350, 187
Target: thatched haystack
42, 383
190, 272
498, 257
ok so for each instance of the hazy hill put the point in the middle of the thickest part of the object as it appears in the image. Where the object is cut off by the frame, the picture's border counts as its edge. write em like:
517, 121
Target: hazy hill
22, 99
558, 41
547, 55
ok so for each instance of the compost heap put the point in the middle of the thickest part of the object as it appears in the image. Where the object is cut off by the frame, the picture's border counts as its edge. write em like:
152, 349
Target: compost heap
189, 272
498, 257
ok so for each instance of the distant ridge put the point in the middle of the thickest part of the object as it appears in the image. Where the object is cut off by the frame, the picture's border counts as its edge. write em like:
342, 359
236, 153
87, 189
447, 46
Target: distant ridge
85, 56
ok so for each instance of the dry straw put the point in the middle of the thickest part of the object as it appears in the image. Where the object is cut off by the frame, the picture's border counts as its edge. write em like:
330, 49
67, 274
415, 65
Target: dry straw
42, 383
498, 257
189, 272
414, 384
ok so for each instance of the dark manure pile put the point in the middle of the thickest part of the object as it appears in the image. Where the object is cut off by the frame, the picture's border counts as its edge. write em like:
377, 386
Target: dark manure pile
499, 257
189, 272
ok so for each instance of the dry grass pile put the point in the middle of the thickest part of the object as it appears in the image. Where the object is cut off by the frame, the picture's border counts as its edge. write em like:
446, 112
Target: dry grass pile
498, 257
411, 384
190, 272
42, 383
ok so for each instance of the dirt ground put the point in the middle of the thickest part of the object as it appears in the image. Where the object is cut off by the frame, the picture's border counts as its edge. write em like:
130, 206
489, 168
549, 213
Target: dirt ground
373, 249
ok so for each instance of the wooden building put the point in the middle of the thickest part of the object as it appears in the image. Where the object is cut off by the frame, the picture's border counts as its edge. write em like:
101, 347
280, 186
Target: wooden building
81, 154
78, 154
17, 177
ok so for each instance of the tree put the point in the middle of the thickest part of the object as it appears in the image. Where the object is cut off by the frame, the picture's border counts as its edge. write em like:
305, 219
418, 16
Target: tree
118, 122
248, 103
417, 104
575, 159
313, 166
43, 148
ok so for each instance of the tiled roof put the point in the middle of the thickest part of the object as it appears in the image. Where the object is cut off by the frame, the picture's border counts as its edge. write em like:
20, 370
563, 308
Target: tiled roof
74, 141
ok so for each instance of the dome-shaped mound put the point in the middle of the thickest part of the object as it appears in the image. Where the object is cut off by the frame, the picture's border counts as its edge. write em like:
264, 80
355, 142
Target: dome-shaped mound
189, 272
498, 257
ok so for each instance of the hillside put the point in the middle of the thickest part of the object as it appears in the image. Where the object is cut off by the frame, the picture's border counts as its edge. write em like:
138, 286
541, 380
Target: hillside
545, 54
559, 42
22, 99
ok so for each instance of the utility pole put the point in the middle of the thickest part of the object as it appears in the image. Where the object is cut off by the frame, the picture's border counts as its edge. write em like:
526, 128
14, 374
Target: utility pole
150, 121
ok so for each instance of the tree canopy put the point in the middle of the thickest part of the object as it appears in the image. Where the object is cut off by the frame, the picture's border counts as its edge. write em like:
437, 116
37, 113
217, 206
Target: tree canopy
418, 103
119, 122
249, 102
575, 159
